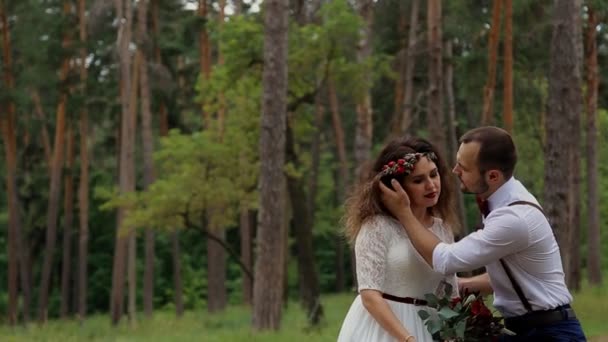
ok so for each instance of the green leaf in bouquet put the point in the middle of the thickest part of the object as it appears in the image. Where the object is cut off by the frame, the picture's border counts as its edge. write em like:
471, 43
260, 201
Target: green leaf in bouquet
447, 313
434, 326
432, 300
424, 315
460, 328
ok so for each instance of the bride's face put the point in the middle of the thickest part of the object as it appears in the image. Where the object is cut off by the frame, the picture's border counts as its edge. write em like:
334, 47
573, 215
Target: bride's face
423, 185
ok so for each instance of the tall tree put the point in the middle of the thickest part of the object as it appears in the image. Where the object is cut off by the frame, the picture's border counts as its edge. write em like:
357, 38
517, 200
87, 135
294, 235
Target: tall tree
268, 281
593, 237
488, 89
563, 108
68, 218
126, 178
507, 111
204, 51
56, 172
452, 128
83, 186
364, 127
130, 169
435, 121
405, 110
8, 126
148, 147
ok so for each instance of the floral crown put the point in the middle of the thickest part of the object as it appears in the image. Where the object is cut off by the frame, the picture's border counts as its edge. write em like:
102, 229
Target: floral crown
406, 164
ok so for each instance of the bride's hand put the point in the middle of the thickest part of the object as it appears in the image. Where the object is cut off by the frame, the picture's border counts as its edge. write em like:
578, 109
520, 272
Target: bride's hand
394, 200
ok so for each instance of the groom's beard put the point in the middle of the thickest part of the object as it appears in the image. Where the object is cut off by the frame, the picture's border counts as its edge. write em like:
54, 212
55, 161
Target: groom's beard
479, 188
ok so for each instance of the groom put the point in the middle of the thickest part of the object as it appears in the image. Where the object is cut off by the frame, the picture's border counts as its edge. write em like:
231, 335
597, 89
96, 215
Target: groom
517, 245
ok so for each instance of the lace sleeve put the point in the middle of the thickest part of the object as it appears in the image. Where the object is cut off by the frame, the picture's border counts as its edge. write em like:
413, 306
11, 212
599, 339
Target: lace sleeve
370, 252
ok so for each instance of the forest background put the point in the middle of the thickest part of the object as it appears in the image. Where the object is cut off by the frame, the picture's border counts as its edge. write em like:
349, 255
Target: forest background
172, 156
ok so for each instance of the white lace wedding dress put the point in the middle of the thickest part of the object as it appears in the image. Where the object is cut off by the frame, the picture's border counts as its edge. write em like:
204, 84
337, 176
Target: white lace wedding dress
387, 262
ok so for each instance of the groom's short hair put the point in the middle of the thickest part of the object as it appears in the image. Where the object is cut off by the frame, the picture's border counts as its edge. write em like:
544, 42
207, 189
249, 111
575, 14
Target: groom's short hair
496, 149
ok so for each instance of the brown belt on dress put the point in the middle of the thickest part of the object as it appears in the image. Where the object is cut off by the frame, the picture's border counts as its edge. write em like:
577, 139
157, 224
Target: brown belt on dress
406, 300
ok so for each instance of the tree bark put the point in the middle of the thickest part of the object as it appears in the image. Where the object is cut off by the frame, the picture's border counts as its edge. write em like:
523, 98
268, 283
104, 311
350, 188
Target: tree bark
46, 140
563, 106
127, 135
148, 148
216, 266
364, 126
436, 121
507, 112
594, 238
407, 103
268, 281
205, 52
83, 187
68, 216
8, 126
55, 183
132, 237
488, 90
452, 128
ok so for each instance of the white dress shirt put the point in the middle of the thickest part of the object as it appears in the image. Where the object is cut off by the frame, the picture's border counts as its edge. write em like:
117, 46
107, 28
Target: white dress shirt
522, 236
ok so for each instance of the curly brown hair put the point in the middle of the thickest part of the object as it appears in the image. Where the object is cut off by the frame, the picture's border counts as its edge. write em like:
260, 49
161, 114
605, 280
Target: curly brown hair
365, 201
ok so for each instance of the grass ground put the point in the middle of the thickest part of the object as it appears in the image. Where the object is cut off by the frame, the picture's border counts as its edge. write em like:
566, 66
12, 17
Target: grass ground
234, 324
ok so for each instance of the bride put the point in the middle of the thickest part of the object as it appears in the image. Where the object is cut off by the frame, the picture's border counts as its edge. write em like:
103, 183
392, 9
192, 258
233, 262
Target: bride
392, 277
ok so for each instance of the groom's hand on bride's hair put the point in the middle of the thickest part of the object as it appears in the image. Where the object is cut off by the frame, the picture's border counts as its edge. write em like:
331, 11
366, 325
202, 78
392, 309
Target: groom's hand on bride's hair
394, 200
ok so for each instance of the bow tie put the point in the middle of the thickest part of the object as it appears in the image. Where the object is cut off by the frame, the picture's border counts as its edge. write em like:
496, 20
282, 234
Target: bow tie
484, 207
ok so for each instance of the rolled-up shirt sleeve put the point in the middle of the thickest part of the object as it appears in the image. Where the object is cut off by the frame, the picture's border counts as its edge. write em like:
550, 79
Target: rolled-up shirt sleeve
504, 233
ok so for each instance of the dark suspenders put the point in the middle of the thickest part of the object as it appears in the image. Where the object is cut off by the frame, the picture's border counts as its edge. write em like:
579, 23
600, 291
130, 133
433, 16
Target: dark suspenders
515, 284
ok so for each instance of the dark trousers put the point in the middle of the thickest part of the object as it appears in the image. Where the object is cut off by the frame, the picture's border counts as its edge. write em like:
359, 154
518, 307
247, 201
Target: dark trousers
563, 331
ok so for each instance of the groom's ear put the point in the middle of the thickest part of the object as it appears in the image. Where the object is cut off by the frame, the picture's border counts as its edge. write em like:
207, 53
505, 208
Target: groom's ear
495, 176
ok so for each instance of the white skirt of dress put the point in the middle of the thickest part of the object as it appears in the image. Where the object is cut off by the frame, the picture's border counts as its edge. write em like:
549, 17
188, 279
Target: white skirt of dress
360, 326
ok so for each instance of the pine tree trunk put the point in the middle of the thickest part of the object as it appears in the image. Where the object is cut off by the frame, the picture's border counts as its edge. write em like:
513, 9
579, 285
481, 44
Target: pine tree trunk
487, 117
55, 183
408, 93
148, 148
452, 135
435, 121
593, 237
205, 52
66, 271
132, 242
563, 107
400, 64
507, 112
221, 112
127, 135
216, 267
268, 281
83, 187
364, 126
44, 136
7, 125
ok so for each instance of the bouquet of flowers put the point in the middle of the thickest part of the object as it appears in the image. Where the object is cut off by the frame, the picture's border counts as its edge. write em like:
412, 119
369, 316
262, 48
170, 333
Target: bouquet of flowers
461, 319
